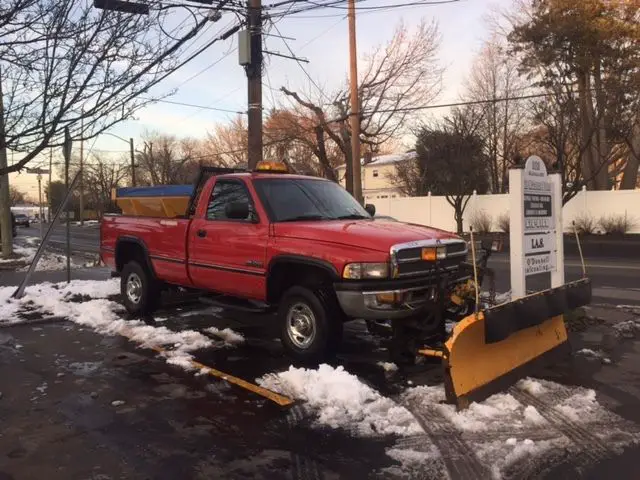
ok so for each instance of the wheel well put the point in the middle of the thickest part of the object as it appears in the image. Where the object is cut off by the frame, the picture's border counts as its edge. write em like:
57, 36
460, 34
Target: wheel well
128, 250
284, 275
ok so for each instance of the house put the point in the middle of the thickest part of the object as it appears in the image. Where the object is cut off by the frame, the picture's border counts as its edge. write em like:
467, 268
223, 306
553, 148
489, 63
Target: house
377, 175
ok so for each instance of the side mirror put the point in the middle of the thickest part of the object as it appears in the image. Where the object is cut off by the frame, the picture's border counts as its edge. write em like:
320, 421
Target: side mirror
371, 209
237, 210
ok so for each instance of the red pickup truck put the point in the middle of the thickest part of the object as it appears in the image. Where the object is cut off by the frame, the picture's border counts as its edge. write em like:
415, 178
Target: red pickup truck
296, 245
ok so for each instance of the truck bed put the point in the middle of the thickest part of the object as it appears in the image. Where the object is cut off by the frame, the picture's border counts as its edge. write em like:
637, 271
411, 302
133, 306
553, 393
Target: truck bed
164, 239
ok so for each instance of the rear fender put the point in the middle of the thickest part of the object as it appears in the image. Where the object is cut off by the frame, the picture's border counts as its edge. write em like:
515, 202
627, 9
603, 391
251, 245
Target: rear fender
123, 253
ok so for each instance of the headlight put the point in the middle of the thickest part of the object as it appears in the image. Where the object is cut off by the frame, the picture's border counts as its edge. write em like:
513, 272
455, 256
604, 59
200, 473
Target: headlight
357, 271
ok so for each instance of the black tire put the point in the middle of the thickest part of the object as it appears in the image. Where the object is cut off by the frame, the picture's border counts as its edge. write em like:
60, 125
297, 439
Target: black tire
320, 329
147, 299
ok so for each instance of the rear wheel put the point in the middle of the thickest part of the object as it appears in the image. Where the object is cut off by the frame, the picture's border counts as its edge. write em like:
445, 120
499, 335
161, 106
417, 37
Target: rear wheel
310, 324
140, 291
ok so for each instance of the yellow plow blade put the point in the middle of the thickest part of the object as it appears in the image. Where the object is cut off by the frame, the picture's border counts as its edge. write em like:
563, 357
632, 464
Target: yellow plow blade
489, 351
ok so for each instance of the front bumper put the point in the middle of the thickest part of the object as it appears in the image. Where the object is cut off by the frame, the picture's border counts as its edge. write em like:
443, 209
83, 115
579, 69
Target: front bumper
392, 299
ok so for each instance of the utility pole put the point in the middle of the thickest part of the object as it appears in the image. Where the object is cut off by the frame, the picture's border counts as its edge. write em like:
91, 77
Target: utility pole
254, 82
6, 230
133, 163
49, 190
81, 184
66, 150
354, 117
40, 209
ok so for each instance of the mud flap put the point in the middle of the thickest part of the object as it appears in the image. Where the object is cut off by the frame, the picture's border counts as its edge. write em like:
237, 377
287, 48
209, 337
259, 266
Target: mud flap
489, 351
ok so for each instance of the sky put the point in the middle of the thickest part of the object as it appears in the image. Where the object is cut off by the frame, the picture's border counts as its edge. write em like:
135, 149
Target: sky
215, 79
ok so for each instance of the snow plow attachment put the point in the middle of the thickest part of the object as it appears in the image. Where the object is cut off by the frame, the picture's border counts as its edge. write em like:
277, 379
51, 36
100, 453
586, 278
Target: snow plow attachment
487, 352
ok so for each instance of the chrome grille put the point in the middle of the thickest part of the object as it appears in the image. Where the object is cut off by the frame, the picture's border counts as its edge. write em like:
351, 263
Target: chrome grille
407, 260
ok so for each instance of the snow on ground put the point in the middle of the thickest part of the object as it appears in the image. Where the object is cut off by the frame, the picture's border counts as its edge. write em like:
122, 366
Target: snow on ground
341, 400
25, 250
598, 355
388, 366
229, 336
100, 314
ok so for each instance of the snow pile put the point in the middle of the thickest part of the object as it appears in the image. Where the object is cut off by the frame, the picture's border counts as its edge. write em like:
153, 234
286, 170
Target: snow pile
341, 400
388, 366
229, 336
534, 387
519, 451
497, 409
582, 406
23, 252
420, 461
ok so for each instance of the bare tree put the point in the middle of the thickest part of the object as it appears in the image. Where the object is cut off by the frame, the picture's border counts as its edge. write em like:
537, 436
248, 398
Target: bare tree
226, 146
165, 159
65, 61
495, 76
294, 137
16, 197
102, 176
396, 78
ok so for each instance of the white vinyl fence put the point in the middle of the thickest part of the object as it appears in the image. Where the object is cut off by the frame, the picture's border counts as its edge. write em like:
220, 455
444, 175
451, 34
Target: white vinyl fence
436, 212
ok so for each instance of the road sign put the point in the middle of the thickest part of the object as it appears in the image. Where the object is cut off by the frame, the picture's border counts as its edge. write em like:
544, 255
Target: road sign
39, 171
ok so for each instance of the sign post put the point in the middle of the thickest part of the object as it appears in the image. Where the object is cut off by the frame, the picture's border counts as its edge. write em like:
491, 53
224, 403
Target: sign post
535, 232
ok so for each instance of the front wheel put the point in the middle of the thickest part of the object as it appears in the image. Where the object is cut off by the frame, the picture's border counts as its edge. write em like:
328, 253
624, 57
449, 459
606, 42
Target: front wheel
140, 291
310, 323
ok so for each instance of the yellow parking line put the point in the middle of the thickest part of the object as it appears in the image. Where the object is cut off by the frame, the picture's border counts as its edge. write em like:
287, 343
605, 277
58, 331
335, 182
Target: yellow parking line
273, 396
428, 352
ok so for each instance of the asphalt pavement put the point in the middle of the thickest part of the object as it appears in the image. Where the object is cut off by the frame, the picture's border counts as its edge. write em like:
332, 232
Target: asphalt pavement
79, 405
85, 239
614, 281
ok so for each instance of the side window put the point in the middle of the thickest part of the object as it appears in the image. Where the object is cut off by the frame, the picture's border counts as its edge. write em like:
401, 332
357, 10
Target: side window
225, 193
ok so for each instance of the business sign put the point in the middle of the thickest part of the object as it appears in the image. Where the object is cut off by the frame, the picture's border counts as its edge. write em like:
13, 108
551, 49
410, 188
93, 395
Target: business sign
539, 226
535, 233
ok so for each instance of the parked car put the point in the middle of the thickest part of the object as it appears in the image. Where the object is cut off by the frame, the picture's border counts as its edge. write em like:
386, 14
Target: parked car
301, 247
22, 220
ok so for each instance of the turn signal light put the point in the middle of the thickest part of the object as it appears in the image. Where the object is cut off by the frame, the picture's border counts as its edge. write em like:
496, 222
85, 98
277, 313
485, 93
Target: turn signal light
431, 254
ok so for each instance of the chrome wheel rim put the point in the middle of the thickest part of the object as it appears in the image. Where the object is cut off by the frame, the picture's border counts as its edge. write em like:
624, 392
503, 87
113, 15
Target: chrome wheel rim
301, 325
134, 288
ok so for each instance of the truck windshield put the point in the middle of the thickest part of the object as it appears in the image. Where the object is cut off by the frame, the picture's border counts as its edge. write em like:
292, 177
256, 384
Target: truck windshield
295, 199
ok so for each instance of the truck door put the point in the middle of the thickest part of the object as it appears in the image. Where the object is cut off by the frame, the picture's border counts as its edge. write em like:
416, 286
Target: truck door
227, 254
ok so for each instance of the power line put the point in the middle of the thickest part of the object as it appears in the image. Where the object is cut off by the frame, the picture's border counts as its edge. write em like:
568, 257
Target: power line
300, 63
193, 105
380, 7
463, 104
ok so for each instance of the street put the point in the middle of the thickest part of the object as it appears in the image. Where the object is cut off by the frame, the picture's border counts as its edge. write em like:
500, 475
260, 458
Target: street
84, 239
614, 281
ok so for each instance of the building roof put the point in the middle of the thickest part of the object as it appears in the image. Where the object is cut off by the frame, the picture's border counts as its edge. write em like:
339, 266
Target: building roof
387, 159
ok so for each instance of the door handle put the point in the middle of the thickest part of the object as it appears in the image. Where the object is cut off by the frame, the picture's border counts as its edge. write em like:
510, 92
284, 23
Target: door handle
202, 233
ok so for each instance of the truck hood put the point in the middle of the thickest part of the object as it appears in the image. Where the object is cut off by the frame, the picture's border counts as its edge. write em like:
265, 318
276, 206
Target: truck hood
371, 234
